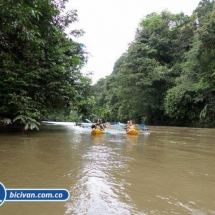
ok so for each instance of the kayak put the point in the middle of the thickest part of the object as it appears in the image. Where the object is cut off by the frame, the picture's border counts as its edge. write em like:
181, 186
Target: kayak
97, 131
132, 131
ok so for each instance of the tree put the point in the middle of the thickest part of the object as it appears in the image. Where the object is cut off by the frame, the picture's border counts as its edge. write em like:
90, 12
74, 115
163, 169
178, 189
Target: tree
193, 98
166, 77
151, 66
39, 64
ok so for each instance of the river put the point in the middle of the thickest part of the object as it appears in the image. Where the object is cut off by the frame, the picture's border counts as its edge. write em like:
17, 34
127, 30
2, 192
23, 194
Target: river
169, 171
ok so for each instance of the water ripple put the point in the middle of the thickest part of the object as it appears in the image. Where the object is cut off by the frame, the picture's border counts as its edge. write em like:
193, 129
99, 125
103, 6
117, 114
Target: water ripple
99, 189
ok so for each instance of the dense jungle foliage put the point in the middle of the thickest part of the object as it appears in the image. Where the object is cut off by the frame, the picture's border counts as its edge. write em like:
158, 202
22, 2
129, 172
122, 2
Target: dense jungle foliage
167, 74
39, 63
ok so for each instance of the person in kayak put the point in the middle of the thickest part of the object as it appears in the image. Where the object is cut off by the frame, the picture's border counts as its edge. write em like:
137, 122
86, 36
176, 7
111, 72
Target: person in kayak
102, 127
99, 125
129, 124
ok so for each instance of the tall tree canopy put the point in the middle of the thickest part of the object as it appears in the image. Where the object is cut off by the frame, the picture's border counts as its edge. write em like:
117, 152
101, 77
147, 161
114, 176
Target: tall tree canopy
39, 64
166, 77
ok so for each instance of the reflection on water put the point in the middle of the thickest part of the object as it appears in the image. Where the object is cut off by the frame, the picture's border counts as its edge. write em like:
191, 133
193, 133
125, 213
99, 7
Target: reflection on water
100, 187
170, 171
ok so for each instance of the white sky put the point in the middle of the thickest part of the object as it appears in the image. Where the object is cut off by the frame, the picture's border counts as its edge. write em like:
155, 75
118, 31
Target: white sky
110, 25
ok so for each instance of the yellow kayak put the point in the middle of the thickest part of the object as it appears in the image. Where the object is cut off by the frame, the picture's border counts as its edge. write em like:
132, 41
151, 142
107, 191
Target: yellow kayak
97, 131
132, 131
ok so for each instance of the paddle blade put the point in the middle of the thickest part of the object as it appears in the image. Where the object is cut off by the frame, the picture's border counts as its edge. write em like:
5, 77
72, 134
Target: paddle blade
117, 127
142, 125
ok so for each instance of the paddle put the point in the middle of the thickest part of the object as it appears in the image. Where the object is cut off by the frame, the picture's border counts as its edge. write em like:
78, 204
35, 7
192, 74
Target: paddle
107, 133
118, 127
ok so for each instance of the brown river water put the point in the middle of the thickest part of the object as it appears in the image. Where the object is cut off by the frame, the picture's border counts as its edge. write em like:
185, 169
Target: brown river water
169, 171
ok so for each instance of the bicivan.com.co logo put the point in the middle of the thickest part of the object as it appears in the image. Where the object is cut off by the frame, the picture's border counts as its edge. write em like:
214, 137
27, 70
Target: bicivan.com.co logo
32, 194
2, 193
